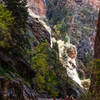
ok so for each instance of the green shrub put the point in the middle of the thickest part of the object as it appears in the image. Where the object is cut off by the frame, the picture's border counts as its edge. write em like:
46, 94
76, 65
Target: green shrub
45, 79
6, 21
51, 77
19, 12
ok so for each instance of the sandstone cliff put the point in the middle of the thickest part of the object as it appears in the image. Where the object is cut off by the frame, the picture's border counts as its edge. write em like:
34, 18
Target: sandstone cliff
38, 7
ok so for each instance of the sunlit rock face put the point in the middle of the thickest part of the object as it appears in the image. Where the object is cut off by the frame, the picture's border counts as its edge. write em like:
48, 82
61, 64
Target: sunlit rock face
38, 7
38, 28
68, 54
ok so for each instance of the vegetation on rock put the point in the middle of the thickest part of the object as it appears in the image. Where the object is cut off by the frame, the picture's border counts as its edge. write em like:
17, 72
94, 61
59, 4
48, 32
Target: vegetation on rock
29, 64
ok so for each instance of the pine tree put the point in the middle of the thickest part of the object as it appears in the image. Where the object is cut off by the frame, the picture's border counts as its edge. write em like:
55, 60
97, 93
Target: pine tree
6, 21
19, 11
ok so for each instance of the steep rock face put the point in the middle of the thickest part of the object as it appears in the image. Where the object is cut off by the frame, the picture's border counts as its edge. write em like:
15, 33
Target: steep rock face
13, 70
97, 40
68, 54
38, 7
15, 90
71, 63
37, 27
95, 80
80, 25
82, 31
38, 30
16, 83
94, 3
95, 77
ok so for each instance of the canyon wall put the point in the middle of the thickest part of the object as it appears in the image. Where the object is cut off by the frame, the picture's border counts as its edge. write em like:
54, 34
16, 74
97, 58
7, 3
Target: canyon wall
97, 40
38, 7
95, 77
17, 84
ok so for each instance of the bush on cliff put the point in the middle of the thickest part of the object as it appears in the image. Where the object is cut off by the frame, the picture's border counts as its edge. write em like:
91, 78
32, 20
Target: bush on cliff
45, 79
19, 11
6, 21
13, 20
51, 77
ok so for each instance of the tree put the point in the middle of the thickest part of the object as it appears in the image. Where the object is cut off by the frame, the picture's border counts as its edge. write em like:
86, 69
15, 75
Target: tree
51, 77
6, 21
20, 43
19, 11
45, 79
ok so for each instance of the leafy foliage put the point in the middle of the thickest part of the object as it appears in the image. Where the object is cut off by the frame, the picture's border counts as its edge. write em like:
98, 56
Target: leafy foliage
45, 78
97, 72
51, 76
19, 11
60, 30
13, 20
6, 21
89, 96
57, 16
95, 82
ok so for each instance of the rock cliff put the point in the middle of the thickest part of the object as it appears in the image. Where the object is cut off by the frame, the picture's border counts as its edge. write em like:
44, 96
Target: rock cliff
50, 57
16, 71
95, 78
15, 90
38, 7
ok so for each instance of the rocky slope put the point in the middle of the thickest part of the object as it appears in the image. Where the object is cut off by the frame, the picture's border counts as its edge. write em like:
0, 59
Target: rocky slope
14, 85
68, 58
82, 32
16, 71
15, 90
38, 7
64, 49
53, 48
95, 78
38, 30
79, 23
67, 51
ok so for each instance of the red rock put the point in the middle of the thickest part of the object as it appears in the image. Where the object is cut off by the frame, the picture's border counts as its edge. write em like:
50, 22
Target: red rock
72, 53
38, 7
